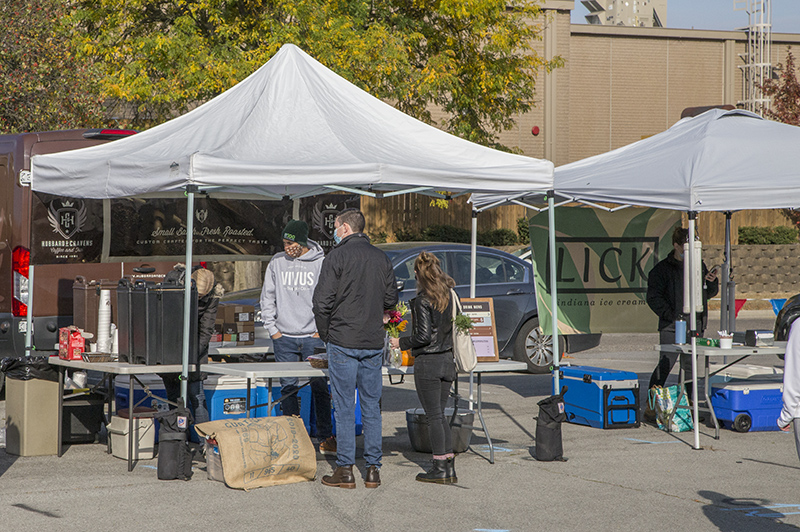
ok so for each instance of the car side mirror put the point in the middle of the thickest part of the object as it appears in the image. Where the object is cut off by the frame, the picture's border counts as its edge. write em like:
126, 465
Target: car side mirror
400, 285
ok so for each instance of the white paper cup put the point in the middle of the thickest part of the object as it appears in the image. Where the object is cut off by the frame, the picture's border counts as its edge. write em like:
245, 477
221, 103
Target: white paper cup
726, 342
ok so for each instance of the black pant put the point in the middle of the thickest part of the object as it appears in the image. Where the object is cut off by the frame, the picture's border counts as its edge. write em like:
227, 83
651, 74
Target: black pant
433, 377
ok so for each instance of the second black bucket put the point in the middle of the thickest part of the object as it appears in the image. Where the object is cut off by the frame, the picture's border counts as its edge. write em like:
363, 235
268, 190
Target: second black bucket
417, 423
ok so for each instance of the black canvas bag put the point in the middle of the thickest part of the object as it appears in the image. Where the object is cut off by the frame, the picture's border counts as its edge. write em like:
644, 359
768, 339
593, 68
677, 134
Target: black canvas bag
174, 455
548, 428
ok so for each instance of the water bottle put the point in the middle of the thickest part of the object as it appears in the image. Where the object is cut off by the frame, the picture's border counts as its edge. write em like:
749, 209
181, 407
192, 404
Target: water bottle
680, 331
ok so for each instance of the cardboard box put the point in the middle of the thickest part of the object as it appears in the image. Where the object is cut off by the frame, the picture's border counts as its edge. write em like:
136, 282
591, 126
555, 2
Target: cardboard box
245, 317
245, 327
71, 344
230, 337
234, 313
246, 338
229, 327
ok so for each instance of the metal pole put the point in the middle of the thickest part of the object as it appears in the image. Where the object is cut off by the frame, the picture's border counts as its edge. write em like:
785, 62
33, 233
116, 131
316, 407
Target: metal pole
725, 303
187, 287
473, 253
693, 326
29, 315
551, 221
473, 262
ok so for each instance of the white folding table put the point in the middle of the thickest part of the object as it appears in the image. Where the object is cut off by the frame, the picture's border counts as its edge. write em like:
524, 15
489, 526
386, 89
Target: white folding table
111, 368
276, 370
737, 353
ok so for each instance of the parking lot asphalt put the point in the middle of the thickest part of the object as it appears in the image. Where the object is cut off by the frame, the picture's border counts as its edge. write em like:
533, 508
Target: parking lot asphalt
616, 480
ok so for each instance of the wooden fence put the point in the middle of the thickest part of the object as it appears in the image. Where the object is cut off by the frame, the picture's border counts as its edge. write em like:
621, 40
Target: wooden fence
412, 212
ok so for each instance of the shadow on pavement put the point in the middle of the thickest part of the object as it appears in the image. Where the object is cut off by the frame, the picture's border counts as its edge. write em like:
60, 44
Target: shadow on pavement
746, 515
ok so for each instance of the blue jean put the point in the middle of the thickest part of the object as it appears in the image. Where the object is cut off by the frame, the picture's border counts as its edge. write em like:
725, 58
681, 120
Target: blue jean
194, 392
288, 349
349, 369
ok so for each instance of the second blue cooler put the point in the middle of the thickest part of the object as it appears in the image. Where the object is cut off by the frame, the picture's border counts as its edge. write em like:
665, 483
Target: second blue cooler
749, 404
601, 398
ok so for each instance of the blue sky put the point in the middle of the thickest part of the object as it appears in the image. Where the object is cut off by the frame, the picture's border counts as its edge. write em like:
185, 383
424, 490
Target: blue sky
716, 15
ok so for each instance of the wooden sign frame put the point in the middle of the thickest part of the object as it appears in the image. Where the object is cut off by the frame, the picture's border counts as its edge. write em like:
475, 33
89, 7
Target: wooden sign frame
484, 332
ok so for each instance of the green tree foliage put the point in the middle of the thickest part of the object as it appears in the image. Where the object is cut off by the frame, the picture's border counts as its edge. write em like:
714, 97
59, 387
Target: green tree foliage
785, 108
42, 86
785, 94
767, 235
473, 60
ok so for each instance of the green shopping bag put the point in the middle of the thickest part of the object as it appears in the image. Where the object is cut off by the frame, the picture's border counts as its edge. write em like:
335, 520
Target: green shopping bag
663, 402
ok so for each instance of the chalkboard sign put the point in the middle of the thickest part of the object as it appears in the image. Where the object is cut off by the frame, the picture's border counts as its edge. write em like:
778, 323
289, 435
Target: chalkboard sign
484, 334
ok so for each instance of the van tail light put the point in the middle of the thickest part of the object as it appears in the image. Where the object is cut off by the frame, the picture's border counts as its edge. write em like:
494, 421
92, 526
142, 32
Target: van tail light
21, 261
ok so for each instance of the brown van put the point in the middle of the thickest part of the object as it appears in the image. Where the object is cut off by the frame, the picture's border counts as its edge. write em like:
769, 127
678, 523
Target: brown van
58, 225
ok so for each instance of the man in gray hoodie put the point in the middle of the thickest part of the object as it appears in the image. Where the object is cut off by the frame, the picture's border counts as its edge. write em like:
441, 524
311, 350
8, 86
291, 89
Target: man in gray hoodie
289, 284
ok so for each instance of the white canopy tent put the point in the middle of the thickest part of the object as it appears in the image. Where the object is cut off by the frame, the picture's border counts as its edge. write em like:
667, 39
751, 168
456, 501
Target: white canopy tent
291, 129
717, 161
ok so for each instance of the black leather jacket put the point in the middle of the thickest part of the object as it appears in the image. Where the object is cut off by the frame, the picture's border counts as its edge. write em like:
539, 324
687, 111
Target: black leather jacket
431, 330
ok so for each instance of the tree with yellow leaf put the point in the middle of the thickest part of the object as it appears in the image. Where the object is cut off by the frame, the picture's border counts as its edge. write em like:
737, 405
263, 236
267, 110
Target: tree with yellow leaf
42, 86
472, 59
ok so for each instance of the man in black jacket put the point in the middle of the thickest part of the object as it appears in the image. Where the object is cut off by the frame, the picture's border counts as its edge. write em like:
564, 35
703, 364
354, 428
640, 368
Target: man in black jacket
665, 298
356, 286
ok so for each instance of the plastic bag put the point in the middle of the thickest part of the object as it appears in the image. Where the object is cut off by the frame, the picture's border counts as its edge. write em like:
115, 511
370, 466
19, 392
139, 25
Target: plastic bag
27, 368
665, 399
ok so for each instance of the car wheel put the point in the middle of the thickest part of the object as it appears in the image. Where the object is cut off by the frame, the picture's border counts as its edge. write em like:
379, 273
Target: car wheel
535, 348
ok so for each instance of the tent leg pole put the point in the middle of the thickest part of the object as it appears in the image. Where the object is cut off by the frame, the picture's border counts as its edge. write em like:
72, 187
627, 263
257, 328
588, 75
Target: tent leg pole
693, 323
187, 291
473, 253
473, 259
551, 219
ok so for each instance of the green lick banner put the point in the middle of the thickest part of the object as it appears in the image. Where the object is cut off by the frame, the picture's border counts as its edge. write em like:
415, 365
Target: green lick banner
602, 262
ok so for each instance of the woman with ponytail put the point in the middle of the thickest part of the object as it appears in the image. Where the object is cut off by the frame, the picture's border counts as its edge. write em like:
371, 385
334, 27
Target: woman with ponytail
431, 344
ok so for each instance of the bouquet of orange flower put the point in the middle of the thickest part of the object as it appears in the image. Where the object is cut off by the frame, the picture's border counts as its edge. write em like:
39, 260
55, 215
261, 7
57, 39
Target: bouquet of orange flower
396, 323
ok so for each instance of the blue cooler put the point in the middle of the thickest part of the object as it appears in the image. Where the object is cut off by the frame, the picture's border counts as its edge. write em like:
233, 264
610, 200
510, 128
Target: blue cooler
600, 398
359, 424
303, 398
226, 397
153, 382
748, 405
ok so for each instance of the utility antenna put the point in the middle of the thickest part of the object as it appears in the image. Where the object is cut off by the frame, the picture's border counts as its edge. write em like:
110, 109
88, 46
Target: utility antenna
757, 67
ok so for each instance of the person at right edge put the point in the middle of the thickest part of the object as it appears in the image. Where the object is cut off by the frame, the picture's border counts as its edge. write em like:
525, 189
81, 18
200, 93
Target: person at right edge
356, 287
791, 386
665, 298
431, 343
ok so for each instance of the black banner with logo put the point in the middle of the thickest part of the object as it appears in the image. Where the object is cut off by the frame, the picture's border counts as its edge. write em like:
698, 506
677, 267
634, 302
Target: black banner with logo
70, 230
66, 230
157, 227
319, 212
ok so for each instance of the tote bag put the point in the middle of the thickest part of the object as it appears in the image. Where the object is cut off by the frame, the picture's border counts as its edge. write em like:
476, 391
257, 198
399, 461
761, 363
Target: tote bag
664, 400
463, 349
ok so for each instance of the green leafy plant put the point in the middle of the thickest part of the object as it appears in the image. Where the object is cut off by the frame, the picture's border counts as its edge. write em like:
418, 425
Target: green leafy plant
497, 237
406, 235
767, 235
463, 323
446, 233
523, 230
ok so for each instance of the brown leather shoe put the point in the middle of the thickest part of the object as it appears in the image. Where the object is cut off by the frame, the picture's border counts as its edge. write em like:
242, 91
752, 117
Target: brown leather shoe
341, 478
373, 479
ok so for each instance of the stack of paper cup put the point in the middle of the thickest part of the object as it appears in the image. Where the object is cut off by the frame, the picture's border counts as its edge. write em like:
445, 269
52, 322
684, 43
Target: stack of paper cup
104, 322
